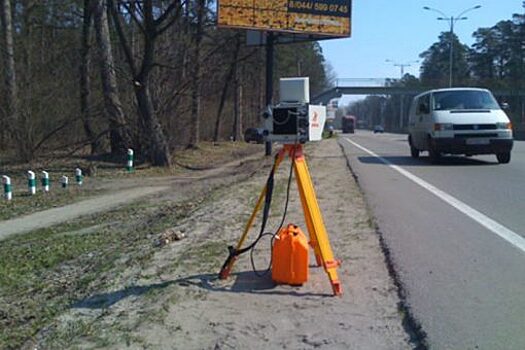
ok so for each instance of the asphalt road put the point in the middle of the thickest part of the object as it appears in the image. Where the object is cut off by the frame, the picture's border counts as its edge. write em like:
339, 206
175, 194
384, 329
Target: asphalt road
456, 235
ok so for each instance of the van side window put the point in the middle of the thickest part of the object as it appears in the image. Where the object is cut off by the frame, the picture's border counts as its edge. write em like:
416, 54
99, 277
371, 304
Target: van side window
423, 105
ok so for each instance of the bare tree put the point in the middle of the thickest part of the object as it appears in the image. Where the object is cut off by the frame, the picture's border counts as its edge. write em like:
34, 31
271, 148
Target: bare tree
85, 90
151, 27
8, 55
120, 136
237, 105
196, 86
173, 80
227, 80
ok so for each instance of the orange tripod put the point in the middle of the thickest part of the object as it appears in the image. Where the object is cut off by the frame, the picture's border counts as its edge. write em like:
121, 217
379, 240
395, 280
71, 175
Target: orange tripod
312, 214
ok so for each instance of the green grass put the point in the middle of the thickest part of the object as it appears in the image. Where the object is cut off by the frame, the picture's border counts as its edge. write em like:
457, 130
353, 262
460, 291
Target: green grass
206, 255
210, 154
24, 204
43, 272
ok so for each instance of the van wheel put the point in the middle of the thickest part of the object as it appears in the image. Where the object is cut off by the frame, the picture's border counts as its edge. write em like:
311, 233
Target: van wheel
503, 158
434, 155
414, 152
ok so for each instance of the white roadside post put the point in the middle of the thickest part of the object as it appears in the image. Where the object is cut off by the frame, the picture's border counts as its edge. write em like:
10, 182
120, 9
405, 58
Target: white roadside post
31, 182
45, 181
8, 194
78, 176
129, 166
64, 181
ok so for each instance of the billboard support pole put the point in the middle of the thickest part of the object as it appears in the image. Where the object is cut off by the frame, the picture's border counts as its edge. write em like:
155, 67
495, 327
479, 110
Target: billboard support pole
269, 80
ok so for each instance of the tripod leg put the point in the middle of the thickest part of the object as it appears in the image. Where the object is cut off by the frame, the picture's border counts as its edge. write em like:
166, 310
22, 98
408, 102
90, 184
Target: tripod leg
315, 224
228, 265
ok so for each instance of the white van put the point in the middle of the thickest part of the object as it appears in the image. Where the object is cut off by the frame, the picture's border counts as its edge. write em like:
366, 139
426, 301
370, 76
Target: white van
459, 121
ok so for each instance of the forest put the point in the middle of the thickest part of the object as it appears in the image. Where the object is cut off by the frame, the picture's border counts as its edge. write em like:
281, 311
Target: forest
496, 60
95, 77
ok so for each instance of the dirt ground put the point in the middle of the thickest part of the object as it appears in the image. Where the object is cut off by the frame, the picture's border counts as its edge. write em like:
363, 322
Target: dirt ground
176, 301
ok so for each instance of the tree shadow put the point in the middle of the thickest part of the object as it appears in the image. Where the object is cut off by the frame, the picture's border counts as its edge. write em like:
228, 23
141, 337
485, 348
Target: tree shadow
245, 282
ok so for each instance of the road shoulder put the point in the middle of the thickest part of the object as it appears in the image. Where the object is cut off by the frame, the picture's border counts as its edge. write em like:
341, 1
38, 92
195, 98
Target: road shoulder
177, 300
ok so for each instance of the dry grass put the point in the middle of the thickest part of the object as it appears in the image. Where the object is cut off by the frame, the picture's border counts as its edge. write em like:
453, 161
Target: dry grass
45, 272
207, 155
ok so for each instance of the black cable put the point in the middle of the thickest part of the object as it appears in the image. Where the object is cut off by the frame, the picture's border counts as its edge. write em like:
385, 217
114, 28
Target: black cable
267, 203
280, 225
288, 188
266, 212
265, 272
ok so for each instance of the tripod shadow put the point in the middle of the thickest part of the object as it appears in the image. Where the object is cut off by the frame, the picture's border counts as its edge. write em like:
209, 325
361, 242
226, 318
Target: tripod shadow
245, 282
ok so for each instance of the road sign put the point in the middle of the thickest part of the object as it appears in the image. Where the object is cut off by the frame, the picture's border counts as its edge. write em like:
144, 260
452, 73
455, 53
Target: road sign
324, 18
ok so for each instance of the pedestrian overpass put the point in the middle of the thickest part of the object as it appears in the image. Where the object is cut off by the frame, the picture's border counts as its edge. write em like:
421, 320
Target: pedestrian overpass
383, 86
365, 86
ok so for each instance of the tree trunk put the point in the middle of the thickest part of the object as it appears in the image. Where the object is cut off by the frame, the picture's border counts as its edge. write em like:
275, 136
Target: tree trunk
8, 55
157, 149
227, 80
85, 91
235, 105
120, 136
133, 29
24, 124
185, 35
158, 145
237, 91
218, 119
237, 112
195, 93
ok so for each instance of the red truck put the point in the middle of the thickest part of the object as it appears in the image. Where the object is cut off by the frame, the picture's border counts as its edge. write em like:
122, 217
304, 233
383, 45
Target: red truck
348, 123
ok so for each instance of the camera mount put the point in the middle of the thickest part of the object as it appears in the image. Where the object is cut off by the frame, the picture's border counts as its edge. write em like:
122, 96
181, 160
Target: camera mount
294, 120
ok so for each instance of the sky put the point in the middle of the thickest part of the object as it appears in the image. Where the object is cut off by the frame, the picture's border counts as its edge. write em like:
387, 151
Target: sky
399, 30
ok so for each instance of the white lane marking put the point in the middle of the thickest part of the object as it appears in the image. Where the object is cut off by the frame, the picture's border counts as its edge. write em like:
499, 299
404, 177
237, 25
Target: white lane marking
508, 235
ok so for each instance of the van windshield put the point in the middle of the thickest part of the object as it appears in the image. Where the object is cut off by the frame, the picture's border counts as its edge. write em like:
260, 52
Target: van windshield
463, 99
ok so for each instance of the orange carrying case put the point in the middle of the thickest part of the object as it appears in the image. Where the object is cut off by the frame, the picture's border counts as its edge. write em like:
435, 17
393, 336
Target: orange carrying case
290, 256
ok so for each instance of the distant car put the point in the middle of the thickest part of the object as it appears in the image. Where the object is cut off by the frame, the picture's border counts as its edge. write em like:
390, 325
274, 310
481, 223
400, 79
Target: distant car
255, 135
379, 129
348, 124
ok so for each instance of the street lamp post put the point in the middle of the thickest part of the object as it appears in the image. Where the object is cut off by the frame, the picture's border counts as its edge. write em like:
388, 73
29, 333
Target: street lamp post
451, 20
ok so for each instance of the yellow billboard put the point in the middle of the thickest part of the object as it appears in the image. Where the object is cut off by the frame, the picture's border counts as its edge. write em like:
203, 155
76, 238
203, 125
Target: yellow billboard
321, 17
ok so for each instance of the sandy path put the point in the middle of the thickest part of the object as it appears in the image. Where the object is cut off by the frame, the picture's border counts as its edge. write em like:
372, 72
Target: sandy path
54, 216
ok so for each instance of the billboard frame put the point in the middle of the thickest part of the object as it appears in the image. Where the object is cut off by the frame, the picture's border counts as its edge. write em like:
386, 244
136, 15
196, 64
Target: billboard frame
310, 35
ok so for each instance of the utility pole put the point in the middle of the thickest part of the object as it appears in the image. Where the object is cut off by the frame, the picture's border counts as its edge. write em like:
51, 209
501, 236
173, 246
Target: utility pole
402, 66
401, 97
269, 81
